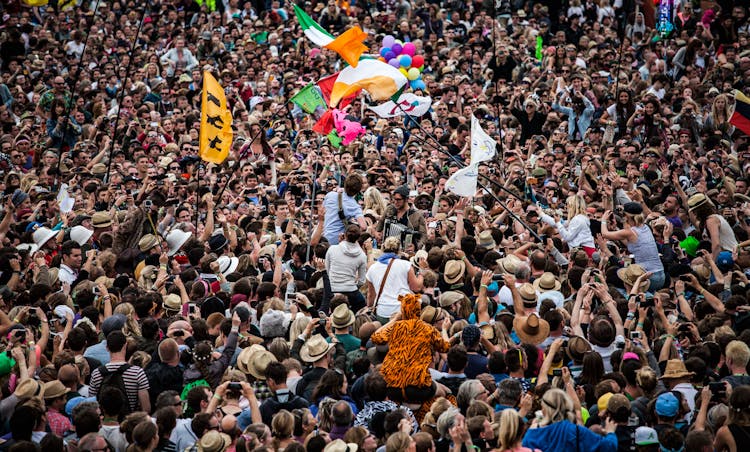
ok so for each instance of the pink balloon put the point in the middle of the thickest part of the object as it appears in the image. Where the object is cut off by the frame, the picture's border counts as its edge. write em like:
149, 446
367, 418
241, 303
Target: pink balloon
408, 49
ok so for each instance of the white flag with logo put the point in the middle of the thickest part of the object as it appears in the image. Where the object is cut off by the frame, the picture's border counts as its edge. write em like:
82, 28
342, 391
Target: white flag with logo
482, 145
464, 181
64, 200
409, 103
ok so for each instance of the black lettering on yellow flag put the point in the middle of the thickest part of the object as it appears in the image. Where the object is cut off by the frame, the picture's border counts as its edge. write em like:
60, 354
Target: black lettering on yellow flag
216, 122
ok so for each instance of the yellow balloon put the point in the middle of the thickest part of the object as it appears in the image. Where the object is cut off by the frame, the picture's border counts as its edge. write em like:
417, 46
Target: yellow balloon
403, 71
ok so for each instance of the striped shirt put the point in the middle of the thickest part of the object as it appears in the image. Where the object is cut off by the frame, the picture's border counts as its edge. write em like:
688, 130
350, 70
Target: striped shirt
134, 378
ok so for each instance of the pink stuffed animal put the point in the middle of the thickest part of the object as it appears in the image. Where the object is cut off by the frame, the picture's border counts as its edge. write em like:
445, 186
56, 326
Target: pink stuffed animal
346, 129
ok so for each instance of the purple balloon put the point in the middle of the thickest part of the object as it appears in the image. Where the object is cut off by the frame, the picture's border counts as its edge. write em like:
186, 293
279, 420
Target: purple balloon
395, 62
384, 51
397, 48
388, 41
389, 55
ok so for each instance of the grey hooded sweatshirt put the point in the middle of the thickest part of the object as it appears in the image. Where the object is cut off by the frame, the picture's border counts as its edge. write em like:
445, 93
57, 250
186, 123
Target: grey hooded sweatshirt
346, 265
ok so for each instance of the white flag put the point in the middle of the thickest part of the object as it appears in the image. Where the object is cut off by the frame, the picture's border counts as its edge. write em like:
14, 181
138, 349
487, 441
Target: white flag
482, 145
464, 181
64, 200
410, 103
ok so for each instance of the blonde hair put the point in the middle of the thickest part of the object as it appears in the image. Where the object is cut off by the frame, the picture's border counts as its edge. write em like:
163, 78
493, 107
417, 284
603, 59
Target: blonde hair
511, 429
739, 353
374, 200
391, 245
131, 325
282, 425
557, 407
298, 326
575, 205
398, 442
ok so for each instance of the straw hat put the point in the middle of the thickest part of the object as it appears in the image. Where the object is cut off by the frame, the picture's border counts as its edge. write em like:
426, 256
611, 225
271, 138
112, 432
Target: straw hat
577, 347
629, 274
214, 441
101, 220
431, 314
454, 271
173, 302
342, 317
54, 389
314, 349
486, 240
449, 298
420, 254
28, 388
697, 200
676, 369
147, 242
547, 283
508, 264
228, 264
339, 445
528, 295
531, 329
258, 362
243, 359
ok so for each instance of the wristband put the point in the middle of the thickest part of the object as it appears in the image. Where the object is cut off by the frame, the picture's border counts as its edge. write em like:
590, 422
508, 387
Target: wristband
217, 397
639, 325
681, 294
484, 285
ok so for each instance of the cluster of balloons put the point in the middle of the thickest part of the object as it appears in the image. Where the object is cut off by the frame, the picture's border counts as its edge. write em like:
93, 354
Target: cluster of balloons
401, 56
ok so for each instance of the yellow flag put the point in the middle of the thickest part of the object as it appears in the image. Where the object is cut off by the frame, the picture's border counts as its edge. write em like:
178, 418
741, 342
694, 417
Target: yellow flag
216, 122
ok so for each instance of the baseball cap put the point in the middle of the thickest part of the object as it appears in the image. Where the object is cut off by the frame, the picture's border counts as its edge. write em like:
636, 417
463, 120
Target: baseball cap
646, 436
724, 261
667, 405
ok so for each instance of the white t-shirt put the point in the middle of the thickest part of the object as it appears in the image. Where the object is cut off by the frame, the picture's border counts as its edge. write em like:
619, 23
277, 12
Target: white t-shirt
396, 284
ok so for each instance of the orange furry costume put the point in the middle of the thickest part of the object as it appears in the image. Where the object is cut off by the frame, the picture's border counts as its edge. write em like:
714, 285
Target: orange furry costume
410, 346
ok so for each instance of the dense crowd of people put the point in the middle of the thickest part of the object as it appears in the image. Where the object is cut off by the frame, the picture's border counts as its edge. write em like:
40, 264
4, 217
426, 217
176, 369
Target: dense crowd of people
591, 295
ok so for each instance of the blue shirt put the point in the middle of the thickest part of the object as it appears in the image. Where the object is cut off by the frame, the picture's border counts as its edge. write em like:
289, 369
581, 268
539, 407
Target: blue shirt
98, 352
333, 226
566, 437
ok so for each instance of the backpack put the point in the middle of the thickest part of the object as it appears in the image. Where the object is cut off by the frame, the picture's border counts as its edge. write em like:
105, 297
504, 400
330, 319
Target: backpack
114, 379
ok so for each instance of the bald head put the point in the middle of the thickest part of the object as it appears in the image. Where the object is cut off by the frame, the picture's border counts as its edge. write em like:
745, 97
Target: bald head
366, 329
228, 423
169, 351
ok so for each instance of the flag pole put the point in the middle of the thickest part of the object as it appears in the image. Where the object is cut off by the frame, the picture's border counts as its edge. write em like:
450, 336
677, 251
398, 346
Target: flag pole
312, 206
122, 92
493, 195
439, 148
70, 106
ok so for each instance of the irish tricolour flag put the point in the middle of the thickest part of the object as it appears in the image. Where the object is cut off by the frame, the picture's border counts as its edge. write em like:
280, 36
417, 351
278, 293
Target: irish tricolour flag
349, 44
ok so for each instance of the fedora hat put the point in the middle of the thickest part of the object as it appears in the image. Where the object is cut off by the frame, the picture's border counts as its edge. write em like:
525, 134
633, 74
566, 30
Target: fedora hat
258, 362
449, 298
420, 254
228, 264
697, 200
101, 220
28, 388
314, 348
42, 236
629, 274
528, 295
676, 369
243, 359
342, 317
147, 242
454, 271
508, 264
547, 283
175, 239
54, 389
214, 441
577, 347
531, 329
172, 302
431, 314
339, 445
486, 240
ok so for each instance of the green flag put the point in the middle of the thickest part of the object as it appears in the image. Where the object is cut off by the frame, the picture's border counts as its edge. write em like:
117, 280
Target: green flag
539, 53
309, 99
334, 139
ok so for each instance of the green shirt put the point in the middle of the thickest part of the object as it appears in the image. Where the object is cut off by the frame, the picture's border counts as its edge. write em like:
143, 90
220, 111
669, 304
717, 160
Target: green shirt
349, 342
